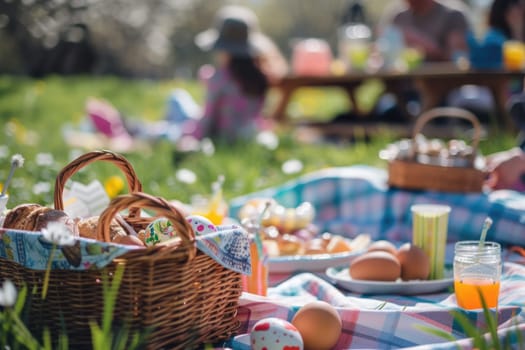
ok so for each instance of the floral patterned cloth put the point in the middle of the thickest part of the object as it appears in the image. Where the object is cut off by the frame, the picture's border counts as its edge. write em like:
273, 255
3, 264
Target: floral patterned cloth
229, 245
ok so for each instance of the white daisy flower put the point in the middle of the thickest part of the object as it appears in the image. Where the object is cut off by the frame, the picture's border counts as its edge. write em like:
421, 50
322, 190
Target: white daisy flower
8, 294
292, 166
17, 161
58, 233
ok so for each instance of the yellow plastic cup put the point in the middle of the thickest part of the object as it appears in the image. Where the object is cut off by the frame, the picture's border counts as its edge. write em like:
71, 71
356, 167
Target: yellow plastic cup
429, 232
514, 55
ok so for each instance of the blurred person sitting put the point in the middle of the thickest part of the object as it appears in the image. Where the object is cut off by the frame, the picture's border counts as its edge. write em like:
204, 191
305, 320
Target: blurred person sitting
434, 27
507, 16
504, 22
507, 170
245, 63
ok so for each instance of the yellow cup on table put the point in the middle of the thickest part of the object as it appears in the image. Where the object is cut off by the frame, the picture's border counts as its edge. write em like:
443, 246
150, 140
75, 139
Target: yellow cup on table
514, 55
429, 232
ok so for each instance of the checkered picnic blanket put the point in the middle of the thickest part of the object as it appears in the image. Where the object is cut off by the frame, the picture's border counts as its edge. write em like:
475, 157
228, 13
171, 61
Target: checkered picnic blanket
356, 199
387, 321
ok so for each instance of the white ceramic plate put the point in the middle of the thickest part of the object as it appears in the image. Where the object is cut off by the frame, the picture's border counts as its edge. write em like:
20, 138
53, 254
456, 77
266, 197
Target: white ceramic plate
340, 276
311, 263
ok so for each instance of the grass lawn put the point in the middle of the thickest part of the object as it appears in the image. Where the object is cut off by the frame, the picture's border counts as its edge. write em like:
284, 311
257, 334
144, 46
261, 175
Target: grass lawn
33, 114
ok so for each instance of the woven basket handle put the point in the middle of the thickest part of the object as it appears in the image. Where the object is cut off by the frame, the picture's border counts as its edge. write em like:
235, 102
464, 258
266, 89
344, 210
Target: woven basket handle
159, 205
69, 170
449, 112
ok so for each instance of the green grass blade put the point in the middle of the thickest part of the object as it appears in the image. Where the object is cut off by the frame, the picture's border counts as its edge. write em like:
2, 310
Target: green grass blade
470, 330
21, 300
435, 331
491, 321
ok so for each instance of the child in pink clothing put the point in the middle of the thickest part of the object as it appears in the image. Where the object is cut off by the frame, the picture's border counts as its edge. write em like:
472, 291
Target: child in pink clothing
245, 62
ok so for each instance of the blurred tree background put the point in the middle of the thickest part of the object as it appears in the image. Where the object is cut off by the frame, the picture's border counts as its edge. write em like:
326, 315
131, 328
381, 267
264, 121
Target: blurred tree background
143, 39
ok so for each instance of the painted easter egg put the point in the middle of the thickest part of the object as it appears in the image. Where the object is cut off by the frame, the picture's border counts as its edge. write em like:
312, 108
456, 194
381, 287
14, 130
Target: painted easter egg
276, 334
159, 230
201, 225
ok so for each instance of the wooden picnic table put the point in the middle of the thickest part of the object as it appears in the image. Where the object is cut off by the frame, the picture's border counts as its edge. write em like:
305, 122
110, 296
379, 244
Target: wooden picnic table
432, 81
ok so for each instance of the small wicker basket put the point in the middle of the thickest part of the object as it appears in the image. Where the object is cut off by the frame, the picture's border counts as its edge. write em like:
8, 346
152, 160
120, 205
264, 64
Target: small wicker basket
413, 175
181, 294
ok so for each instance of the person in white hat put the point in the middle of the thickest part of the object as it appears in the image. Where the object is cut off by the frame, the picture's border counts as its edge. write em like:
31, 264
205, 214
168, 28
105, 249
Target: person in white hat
236, 86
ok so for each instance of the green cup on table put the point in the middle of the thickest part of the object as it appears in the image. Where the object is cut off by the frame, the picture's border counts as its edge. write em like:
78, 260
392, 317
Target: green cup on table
429, 232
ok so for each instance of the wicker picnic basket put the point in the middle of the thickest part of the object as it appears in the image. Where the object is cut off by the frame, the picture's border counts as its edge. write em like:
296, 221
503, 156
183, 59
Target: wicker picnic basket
410, 173
181, 294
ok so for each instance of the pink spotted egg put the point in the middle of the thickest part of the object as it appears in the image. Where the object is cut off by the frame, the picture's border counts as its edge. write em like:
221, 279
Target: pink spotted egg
201, 225
275, 334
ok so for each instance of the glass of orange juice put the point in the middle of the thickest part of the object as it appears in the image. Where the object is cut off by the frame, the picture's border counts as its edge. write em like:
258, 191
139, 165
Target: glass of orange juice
477, 271
257, 282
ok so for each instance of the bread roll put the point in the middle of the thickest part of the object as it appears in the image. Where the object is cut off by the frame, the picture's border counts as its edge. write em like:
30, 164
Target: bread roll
87, 228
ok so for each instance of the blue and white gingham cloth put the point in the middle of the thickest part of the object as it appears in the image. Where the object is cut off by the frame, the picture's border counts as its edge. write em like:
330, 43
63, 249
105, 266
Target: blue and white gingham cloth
356, 199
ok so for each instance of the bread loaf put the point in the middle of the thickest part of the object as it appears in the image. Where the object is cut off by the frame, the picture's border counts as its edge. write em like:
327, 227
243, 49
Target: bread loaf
18, 217
34, 217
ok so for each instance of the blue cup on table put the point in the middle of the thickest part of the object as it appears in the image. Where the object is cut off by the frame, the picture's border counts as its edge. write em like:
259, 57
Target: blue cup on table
486, 53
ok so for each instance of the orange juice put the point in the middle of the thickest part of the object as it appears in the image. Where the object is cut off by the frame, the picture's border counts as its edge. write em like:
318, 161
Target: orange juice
257, 282
467, 294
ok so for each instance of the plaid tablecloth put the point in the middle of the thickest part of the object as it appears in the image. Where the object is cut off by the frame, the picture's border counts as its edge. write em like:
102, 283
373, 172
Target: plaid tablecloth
356, 199
387, 321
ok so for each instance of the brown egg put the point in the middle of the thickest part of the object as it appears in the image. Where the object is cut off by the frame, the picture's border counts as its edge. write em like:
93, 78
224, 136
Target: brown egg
382, 245
415, 263
375, 266
319, 324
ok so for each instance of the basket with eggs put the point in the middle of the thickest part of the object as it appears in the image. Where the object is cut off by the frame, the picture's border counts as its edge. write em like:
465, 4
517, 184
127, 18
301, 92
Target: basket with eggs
433, 164
167, 286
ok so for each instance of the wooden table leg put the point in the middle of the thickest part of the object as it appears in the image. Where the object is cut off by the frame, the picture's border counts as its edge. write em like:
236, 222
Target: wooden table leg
279, 114
398, 89
432, 92
499, 90
350, 93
